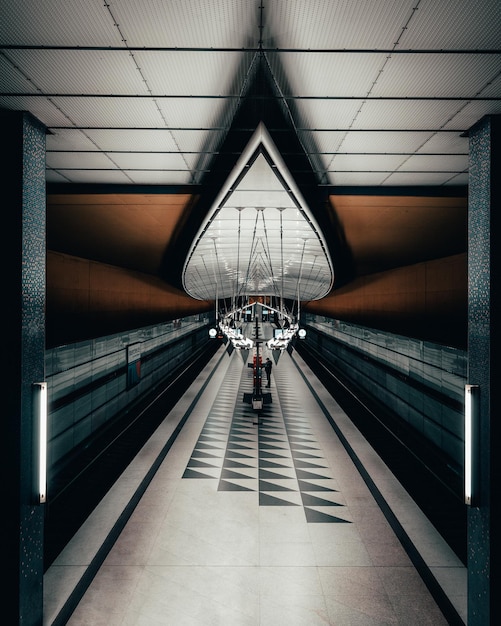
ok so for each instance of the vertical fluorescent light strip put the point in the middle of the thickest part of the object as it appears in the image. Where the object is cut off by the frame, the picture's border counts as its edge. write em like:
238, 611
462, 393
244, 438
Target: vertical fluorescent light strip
40, 424
470, 443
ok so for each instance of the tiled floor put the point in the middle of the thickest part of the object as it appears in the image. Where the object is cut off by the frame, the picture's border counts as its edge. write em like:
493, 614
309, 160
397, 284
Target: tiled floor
259, 524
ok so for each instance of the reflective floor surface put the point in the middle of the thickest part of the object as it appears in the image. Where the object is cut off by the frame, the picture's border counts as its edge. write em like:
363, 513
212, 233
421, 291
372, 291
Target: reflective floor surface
256, 519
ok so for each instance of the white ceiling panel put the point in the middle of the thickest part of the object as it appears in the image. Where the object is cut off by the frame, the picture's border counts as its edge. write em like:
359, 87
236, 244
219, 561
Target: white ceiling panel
79, 71
80, 160
153, 177
173, 53
436, 75
493, 89
191, 112
445, 143
323, 74
110, 112
70, 139
194, 73
320, 141
133, 139
471, 113
435, 163
53, 176
11, 79
196, 140
152, 161
320, 114
356, 179
459, 179
99, 177
365, 162
453, 24
56, 22
413, 179
327, 24
384, 142
44, 109
410, 114
218, 23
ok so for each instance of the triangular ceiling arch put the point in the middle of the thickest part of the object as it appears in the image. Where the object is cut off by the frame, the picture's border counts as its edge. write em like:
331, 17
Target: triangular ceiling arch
260, 237
262, 112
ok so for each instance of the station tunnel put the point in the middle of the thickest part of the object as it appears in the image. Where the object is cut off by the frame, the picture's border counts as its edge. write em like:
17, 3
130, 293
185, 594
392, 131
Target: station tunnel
269, 196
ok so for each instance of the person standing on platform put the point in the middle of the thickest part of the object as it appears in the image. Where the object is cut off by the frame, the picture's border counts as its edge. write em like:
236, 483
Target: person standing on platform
267, 369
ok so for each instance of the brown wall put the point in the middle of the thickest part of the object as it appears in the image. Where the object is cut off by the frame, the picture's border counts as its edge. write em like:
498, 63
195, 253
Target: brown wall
87, 299
427, 300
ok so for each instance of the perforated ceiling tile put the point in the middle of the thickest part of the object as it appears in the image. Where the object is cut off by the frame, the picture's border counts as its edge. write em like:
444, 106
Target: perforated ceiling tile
365, 163
110, 112
400, 141
69, 139
435, 163
194, 73
190, 23
454, 24
338, 69
436, 75
75, 72
58, 23
133, 139
327, 24
323, 74
448, 143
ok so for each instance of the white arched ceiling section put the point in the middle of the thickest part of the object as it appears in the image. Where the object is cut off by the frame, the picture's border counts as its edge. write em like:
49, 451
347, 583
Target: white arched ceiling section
260, 238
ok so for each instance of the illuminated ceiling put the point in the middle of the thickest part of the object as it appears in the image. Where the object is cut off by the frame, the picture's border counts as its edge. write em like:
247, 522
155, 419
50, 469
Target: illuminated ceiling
260, 237
152, 98
143, 92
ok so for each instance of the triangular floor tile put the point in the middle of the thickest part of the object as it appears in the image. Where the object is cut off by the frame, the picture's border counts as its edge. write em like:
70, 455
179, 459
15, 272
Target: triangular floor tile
265, 474
238, 446
272, 465
306, 465
198, 454
309, 500
206, 446
309, 475
267, 500
308, 486
192, 474
230, 463
226, 473
279, 454
316, 517
240, 439
231, 454
226, 485
265, 485
298, 454
269, 446
276, 438
298, 446
196, 463
302, 439
212, 439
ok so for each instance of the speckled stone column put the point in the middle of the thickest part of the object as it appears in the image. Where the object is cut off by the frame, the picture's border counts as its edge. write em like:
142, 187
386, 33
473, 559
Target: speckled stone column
484, 237
23, 322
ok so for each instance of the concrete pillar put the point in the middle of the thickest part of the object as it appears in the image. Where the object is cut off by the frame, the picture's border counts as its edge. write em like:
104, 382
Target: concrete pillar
23, 322
484, 237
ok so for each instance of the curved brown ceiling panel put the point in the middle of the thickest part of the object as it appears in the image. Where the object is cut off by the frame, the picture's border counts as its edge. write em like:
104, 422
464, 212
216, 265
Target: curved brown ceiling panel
130, 230
383, 232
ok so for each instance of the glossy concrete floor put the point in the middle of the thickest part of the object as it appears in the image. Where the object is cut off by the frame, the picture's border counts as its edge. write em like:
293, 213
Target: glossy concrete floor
255, 520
